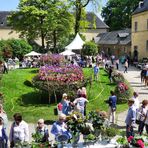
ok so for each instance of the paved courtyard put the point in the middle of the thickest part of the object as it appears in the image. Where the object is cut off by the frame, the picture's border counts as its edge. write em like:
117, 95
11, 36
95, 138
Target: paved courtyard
133, 77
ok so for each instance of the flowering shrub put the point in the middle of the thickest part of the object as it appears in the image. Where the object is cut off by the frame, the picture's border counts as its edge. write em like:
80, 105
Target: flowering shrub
123, 92
67, 74
59, 79
122, 87
136, 141
52, 59
117, 77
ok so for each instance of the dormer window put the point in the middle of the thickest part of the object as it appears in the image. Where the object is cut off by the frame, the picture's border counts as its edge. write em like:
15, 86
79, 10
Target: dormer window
2, 24
141, 4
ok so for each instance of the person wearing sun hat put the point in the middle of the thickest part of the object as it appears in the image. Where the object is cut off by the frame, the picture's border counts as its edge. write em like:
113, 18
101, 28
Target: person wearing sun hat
65, 104
130, 118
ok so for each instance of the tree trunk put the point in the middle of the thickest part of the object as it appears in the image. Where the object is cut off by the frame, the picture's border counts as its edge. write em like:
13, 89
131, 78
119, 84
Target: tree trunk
79, 7
54, 39
78, 16
43, 39
42, 34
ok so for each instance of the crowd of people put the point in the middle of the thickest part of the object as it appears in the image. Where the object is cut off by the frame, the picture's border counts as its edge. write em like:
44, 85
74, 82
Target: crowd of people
136, 115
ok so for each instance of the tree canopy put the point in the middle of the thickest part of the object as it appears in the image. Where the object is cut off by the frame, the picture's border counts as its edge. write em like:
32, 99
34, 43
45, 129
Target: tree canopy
117, 13
44, 19
90, 49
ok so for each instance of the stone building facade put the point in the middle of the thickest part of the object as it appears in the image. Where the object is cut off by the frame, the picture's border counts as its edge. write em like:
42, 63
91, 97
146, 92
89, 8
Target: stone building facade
140, 31
90, 32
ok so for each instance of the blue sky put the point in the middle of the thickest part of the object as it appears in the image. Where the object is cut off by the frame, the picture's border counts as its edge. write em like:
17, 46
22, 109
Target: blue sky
7, 5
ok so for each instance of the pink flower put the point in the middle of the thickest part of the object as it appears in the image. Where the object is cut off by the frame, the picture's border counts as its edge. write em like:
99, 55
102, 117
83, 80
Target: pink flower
140, 143
130, 138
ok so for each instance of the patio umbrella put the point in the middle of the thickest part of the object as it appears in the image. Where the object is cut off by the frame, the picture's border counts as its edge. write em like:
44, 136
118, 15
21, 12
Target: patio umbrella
32, 53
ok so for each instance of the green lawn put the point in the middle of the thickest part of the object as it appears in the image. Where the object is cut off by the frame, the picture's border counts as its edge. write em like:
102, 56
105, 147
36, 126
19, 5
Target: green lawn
22, 98
100, 91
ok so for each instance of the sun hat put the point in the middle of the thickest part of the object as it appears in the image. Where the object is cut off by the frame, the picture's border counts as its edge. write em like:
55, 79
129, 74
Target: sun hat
64, 95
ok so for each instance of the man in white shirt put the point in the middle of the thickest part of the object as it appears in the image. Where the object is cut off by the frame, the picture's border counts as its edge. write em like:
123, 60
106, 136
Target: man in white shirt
19, 131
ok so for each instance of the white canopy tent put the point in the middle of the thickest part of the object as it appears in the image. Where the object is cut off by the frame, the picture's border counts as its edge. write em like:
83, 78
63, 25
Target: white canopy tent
67, 53
76, 44
32, 53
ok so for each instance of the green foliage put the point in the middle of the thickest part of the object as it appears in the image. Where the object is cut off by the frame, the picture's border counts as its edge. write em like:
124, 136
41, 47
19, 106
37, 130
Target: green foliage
124, 96
42, 19
14, 48
111, 132
89, 48
19, 47
5, 49
117, 9
122, 140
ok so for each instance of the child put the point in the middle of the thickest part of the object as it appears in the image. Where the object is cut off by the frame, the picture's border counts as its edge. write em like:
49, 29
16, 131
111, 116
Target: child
3, 136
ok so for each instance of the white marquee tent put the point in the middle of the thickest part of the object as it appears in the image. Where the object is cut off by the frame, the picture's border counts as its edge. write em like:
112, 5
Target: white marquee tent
67, 53
76, 44
32, 53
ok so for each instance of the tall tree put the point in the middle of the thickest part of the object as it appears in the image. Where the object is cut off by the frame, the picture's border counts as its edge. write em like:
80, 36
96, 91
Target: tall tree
79, 6
117, 13
41, 19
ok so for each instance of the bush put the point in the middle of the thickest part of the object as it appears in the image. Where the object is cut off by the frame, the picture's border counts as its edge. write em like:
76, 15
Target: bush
14, 48
59, 79
123, 94
19, 47
89, 49
5, 49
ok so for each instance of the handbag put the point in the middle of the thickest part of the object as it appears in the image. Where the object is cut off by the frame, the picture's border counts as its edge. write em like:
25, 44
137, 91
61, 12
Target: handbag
138, 118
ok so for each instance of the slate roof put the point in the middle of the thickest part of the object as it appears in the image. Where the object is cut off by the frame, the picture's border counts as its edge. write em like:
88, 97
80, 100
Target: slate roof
90, 17
144, 7
93, 18
3, 19
120, 37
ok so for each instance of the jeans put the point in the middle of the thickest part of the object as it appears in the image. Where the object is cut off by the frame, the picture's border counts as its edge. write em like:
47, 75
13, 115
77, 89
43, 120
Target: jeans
125, 70
146, 126
129, 131
141, 127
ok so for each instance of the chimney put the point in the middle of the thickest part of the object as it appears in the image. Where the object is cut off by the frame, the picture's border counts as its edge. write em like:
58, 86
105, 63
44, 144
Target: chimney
141, 3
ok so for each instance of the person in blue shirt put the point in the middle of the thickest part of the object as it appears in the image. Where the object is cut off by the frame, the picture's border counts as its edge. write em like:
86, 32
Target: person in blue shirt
65, 104
96, 72
60, 128
130, 118
112, 106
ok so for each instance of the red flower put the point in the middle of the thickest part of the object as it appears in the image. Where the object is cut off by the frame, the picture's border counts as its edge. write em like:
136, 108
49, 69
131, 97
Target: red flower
140, 143
130, 138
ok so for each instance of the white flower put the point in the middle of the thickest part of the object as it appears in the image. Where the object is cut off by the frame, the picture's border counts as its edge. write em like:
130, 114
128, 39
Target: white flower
90, 125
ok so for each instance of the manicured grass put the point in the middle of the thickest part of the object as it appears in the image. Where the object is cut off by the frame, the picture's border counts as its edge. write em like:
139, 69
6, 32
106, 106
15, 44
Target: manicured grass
19, 97
99, 91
